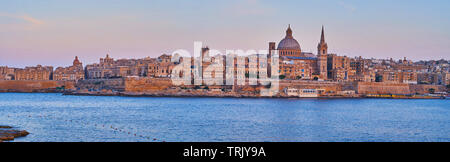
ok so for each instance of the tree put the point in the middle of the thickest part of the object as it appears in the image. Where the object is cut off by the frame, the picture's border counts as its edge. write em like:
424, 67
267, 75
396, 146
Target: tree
298, 77
378, 78
424, 82
282, 76
431, 90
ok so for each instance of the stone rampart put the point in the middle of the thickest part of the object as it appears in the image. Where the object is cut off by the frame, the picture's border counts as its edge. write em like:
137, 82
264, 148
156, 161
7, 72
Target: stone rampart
425, 88
35, 85
117, 84
382, 88
135, 84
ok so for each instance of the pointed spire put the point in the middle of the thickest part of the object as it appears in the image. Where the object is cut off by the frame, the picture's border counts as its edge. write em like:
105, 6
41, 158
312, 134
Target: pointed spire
322, 37
322, 46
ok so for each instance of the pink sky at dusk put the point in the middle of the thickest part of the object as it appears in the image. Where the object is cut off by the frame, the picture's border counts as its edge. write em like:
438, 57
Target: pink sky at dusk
54, 32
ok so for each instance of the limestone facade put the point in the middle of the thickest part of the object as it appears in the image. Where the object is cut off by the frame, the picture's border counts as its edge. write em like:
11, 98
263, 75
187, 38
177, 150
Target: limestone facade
73, 73
38, 72
6, 73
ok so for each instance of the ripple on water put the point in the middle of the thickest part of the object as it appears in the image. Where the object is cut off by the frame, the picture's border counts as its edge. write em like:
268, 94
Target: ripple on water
54, 117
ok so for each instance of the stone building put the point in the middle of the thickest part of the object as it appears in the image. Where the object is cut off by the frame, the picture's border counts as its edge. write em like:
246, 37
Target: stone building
388, 76
338, 64
214, 68
161, 67
437, 78
38, 72
295, 68
110, 68
366, 76
361, 71
103, 69
392, 76
73, 73
446, 78
403, 71
295, 64
6, 73
338, 74
408, 77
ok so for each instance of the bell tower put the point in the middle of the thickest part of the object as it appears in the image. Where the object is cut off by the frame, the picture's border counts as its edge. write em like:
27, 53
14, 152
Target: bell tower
322, 51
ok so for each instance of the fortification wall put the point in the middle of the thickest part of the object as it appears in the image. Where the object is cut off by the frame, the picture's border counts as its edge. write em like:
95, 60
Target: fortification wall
146, 84
117, 84
382, 88
423, 88
158, 84
161, 85
397, 88
35, 85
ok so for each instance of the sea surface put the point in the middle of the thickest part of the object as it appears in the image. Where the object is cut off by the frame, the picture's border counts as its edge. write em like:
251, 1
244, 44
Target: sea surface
59, 118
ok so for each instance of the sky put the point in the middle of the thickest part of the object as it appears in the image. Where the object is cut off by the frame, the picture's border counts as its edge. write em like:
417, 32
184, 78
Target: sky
53, 32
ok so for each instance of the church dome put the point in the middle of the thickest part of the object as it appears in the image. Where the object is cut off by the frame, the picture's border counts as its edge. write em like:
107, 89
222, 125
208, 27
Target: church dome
288, 43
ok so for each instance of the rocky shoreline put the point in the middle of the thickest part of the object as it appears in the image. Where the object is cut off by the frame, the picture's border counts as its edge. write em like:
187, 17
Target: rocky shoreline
7, 133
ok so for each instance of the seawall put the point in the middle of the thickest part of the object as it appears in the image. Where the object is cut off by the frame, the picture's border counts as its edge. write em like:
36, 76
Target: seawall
117, 84
35, 85
396, 88
163, 86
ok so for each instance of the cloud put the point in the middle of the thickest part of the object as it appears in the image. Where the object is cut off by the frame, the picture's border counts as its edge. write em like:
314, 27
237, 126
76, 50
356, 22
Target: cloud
32, 20
26, 18
347, 6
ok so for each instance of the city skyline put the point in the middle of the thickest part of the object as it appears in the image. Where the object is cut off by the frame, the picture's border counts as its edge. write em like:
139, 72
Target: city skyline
50, 33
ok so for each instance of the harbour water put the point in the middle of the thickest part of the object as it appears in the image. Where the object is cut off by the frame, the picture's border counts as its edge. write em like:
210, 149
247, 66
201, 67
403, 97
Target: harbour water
63, 118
